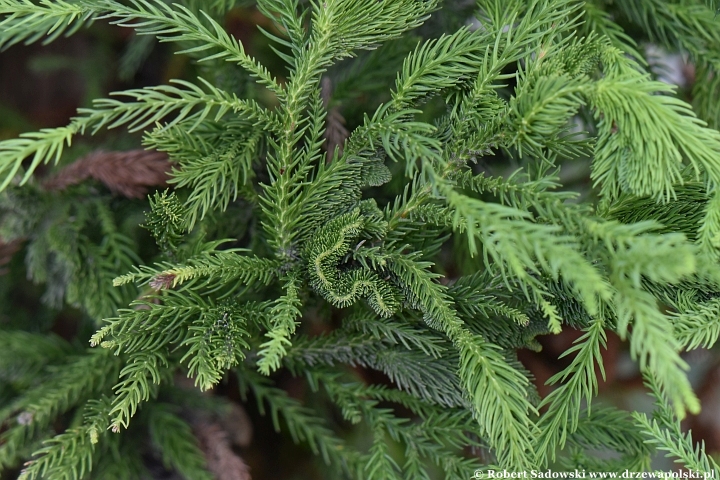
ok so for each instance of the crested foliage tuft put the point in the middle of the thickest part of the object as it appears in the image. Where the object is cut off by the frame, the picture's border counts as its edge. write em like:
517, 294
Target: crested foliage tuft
425, 244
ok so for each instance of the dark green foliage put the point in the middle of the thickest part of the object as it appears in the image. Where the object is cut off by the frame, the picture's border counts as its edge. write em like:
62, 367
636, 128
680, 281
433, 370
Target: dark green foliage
264, 238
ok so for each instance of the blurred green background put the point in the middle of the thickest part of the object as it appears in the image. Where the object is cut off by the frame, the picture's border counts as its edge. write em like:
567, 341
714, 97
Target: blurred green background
43, 85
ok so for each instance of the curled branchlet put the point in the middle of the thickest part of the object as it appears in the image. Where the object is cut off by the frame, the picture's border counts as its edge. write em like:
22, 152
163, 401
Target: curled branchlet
341, 287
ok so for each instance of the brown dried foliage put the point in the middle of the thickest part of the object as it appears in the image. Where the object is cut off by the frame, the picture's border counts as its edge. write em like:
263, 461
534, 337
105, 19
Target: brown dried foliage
217, 433
335, 131
222, 461
162, 281
129, 173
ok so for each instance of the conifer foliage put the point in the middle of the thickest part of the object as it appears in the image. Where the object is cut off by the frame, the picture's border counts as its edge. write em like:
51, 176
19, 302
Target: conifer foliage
271, 228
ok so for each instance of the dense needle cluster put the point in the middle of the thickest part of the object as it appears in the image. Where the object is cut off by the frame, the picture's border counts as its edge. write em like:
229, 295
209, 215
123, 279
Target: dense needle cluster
274, 222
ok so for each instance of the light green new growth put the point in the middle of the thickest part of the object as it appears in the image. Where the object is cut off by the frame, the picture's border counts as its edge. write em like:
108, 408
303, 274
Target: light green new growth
265, 237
